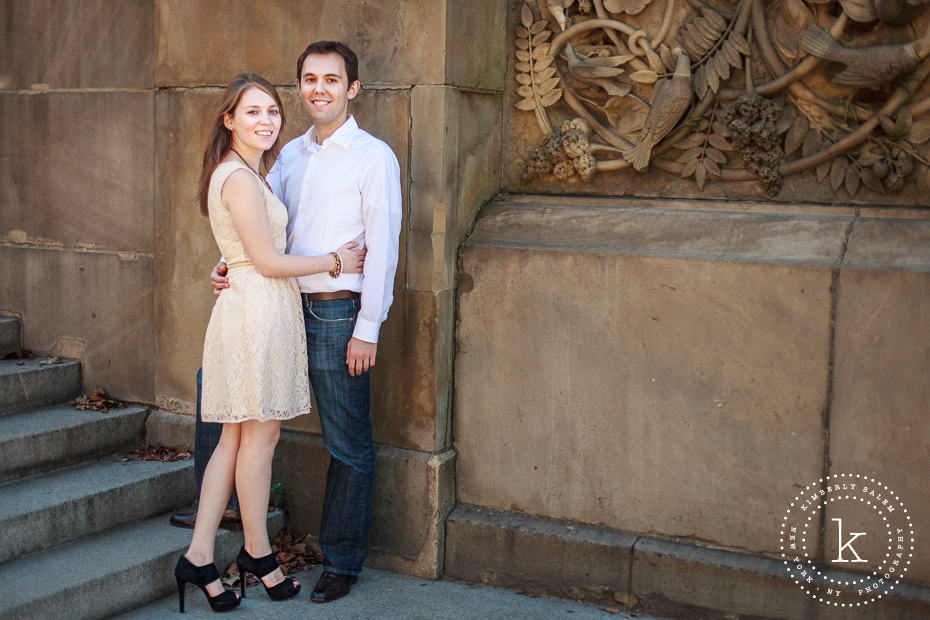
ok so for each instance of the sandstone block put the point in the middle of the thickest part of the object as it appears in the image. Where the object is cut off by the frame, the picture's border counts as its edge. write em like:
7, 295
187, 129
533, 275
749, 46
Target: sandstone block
270, 37
68, 180
615, 384
88, 44
96, 305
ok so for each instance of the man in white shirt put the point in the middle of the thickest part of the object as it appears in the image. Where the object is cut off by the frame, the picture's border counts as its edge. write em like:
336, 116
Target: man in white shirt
340, 184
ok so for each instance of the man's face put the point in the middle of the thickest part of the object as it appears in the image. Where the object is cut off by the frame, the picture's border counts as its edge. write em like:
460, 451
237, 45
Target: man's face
325, 89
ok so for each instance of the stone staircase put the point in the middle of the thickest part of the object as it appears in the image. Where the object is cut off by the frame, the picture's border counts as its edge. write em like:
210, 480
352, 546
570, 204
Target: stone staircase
82, 533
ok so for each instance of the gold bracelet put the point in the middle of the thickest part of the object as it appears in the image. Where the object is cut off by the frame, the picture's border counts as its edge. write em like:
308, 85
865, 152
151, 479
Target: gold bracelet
337, 260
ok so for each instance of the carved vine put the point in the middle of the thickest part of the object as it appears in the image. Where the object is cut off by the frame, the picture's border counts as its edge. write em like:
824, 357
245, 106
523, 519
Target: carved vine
839, 91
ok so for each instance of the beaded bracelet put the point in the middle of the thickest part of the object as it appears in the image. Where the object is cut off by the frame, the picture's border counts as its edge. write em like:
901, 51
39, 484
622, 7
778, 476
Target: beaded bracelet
337, 270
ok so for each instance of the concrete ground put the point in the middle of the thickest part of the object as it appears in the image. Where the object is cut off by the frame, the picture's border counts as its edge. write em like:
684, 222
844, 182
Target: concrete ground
382, 594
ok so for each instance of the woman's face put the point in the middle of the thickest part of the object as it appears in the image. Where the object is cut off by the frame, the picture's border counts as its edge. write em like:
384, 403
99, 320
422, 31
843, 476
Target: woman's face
255, 122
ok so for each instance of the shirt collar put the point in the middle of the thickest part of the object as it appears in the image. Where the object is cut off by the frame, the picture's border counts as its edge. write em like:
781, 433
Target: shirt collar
341, 137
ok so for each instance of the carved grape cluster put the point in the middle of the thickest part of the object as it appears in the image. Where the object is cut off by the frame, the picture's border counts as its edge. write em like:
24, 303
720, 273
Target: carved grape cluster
564, 153
893, 169
752, 121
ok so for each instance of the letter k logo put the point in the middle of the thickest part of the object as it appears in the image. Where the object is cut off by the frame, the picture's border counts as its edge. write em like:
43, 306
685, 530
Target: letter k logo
848, 543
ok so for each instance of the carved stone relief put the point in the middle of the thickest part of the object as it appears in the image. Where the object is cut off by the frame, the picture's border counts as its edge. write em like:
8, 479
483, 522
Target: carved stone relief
722, 92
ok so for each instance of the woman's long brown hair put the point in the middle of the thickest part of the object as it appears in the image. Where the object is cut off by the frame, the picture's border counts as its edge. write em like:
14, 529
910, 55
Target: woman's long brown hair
220, 140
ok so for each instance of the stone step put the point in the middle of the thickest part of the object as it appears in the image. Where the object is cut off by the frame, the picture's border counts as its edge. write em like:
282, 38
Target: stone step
34, 384
108, 573
10, 339
36, 441
64, 505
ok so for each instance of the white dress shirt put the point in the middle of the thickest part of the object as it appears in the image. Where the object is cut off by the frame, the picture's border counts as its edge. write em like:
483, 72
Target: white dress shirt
346, 189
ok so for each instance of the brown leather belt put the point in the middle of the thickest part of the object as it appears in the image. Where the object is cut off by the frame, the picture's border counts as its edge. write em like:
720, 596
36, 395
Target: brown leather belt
329, 296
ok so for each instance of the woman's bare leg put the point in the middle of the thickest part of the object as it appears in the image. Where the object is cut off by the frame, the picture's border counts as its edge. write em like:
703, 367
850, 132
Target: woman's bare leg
214, 495
253, 484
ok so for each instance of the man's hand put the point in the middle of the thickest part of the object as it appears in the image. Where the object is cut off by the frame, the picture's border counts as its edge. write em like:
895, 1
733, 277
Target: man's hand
218, 278
360, 356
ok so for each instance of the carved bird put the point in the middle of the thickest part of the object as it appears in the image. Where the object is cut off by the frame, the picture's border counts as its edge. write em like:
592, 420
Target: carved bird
865, 66
670, 99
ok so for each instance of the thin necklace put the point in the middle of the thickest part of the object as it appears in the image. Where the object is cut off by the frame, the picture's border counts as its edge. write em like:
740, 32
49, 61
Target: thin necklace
261, 178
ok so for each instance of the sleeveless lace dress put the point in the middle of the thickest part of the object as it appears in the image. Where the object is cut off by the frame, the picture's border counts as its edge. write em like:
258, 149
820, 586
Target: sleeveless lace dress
255, 350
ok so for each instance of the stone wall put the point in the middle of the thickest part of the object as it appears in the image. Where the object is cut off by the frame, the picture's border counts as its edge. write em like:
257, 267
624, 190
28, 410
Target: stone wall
105, 255
77, 185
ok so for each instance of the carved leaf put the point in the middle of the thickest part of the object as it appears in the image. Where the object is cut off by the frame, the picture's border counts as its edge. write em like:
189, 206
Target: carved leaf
691, 48
739, 43
871, 180
788, 18
837, 173
626, 115
537, 27
551, 97
544, 75
691, 140
708, 28
714, 18
547, 86
700, 36
700, 175
713, 154
609, 61
919, 132
867, 157
542, 63
613, 87
811, 143
644, 76
596, 72
522, 44
699, 81
527, 105
788, 114
689, 168
690, 154
522, 32
712, 166
721, 65
823, 171
526, 16
541, 38
713, 80
668, 58
851, 180
525, 91
523, 66
720, 143
693, 42
796, 135
923, 180
721, 129
541, 52
732, 55
524, 78
523, 55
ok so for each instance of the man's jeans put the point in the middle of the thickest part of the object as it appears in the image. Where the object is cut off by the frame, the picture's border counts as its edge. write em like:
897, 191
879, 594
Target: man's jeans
343, 409
206, 436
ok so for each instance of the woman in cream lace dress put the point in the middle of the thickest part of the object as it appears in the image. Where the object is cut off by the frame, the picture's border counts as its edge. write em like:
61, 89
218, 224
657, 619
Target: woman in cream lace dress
254, 358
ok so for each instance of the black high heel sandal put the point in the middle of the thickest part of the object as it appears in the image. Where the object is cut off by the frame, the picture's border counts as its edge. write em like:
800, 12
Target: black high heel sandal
262, 567
200, 576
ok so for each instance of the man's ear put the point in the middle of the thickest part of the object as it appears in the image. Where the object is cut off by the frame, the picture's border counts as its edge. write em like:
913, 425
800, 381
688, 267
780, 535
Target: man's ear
353, 89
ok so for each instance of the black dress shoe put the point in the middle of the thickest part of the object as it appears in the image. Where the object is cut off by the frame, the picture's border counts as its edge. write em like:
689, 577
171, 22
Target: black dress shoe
230, 519
183, 519
331, 586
